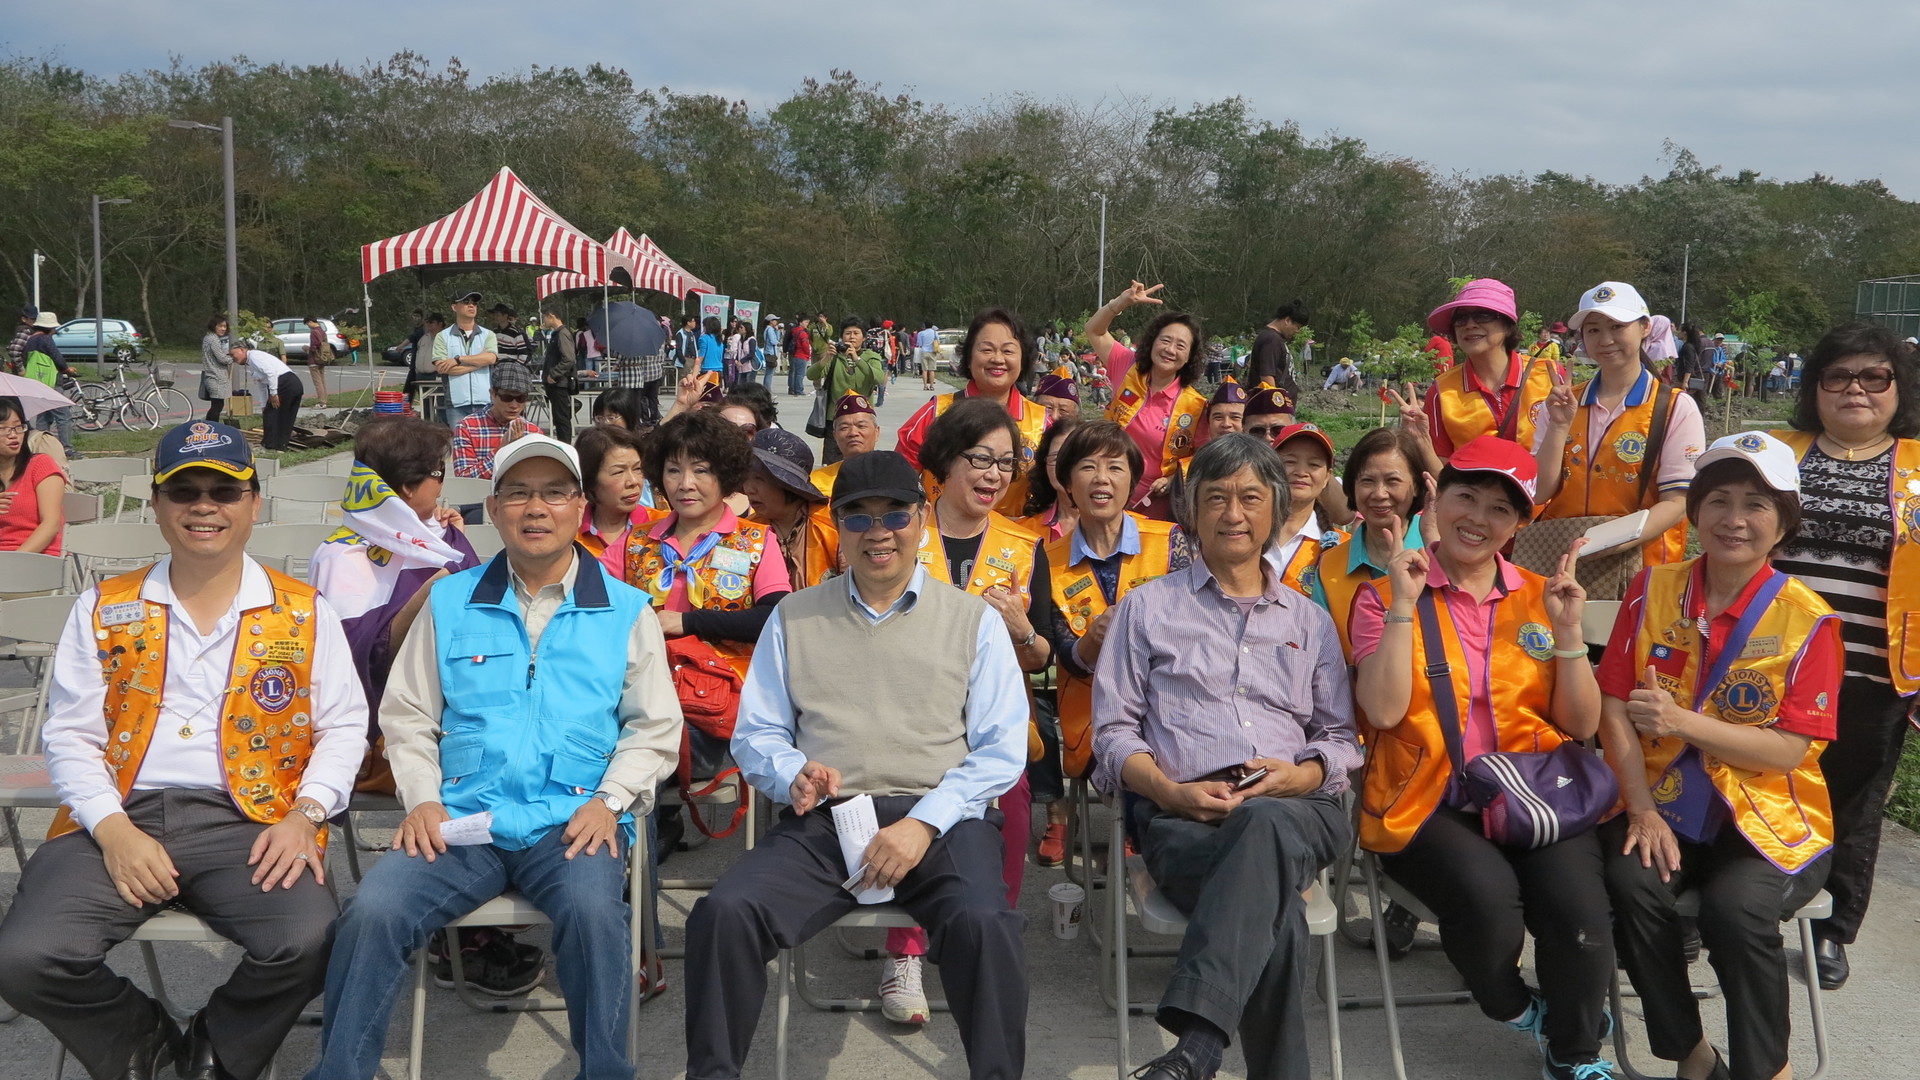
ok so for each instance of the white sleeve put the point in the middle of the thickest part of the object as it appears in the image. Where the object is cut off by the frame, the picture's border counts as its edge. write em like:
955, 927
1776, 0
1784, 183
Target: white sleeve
339, 708
75, 734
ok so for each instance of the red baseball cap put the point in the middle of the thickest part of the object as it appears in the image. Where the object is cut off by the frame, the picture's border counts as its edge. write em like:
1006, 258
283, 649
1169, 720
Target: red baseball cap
1311, 431
1503, 457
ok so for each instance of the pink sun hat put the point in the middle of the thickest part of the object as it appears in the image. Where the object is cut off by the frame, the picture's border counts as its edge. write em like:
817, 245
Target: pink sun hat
1485, 293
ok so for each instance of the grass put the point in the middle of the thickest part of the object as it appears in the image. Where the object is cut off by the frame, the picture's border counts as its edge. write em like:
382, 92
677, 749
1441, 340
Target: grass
1903, 805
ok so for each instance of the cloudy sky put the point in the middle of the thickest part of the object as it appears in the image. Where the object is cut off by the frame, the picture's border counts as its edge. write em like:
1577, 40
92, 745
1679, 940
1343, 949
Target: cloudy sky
1477, 86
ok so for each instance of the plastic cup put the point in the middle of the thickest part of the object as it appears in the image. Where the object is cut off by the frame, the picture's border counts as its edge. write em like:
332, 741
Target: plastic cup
1068, 900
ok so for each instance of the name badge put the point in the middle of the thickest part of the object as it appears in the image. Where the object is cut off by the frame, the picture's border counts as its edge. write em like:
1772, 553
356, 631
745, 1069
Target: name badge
122, 614
1761, 646
1003, 565
730, 561
1078, 587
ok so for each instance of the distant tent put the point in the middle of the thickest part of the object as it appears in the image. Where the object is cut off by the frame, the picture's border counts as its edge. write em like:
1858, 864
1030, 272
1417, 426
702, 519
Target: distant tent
652, 269
505, 225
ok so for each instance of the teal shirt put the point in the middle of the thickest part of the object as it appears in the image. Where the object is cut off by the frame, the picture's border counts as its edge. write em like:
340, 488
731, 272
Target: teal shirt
1357, 556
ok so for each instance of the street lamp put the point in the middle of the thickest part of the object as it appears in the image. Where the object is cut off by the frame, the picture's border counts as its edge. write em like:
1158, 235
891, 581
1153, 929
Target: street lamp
38, 258
233, 244
99, 304
1101, 292
1686, 265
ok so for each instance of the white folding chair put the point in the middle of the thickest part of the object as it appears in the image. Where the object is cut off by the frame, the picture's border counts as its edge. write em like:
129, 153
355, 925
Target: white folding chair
464, 490
315, 491
107, 470
287, 548
29, 573
485, 540
107, 548
1596, 622
792, 975
264, 467
135, 489
79, 507
340, 465
35, 624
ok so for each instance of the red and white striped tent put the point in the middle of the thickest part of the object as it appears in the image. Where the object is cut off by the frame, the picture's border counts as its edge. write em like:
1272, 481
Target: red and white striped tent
688, 282
505, 225
651, 269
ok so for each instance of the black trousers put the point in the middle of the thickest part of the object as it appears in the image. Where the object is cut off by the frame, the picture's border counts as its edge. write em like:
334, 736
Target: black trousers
560, 404
787, 889
276, 424
650, 400
1859, 765
1244, 961
67, 915
1488, 898
1743, 897
213, 410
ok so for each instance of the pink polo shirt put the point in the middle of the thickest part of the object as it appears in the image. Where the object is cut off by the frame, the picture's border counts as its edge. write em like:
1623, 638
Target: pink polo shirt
1148, 426
769, 577
1473, 620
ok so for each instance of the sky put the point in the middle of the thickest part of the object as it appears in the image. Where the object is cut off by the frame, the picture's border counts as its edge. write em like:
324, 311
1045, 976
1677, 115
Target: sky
1471, 86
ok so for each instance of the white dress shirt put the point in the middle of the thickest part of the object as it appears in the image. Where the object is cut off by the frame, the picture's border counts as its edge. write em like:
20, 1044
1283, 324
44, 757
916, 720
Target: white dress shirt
266, 370
1281, 554
198, 671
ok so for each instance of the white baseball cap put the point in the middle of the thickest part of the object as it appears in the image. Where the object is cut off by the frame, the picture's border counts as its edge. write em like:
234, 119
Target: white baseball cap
528, 447
1617, 300
1775, 461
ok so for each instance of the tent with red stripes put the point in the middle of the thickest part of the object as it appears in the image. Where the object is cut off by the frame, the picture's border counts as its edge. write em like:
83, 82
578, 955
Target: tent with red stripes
505, 225
651, 269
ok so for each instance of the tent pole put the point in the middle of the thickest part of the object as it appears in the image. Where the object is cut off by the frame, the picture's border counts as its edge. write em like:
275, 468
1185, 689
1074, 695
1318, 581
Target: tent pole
366, 303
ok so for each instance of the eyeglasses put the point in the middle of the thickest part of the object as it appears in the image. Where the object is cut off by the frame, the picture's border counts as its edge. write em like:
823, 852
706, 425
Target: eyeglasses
1265, 433
510, 399
188, 494
437, 474
10, 430
894, 520
1474, 315
553, 496
1837, 380
987, 462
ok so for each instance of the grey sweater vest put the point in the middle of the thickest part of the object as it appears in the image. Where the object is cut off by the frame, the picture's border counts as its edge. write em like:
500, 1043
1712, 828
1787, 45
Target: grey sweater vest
885, 704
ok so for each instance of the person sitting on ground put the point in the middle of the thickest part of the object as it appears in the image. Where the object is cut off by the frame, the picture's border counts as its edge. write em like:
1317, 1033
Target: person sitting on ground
1238, 755
203, 724
563, 754
933, 735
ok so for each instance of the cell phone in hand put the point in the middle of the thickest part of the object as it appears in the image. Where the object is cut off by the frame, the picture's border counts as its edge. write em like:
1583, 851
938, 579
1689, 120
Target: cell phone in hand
1250, 779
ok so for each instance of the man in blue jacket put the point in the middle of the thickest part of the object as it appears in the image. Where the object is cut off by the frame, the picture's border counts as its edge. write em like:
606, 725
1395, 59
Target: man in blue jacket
534, 689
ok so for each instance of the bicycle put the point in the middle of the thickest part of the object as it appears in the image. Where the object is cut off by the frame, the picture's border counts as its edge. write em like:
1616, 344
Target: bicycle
138, 407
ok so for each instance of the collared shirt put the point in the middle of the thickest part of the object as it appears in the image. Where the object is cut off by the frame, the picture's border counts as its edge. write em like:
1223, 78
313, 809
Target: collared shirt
266, 370
411, 710
1106, 574
191, 696
1186, 677
1472, 621
1357, 556
474, 387
914, 431
996, 717
1281, 554
476, 439
1499, 399
1148, 428
1686, 435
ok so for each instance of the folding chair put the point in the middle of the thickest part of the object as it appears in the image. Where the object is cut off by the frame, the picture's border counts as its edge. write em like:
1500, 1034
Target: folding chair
792, 974
29, 573
512, 909
485, 540
457, 491
107, 470
315, 490
79, 507
340, 465
1158, 915
287, 548
35, 623
1379, 889
1688, 904
135, 489
102, 550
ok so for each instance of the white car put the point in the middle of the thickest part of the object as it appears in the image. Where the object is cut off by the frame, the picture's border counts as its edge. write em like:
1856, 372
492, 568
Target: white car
946, 349
293, 338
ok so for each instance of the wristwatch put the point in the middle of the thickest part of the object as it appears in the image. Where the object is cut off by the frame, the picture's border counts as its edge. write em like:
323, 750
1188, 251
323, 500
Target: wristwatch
614, 802
312, 812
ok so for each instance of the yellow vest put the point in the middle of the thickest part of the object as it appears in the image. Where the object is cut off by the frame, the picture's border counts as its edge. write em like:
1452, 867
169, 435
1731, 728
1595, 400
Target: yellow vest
821, 555
1903, 571
1032, 420
1407, 765
1786, 816
824, 476
1183, 426
708, 587
1077, 595
266, 730
1006, 557
1604, 479
1464, 413
1305, 564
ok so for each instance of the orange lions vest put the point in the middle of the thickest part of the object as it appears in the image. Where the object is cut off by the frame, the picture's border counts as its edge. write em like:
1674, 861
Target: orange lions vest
822, 554
1005, 558
1464, 413
709, 586
1183, 426
1077, 595
266, 730
1407, 765
1604, 479
1032, 420
1903, 572
1341, 588
1786, 816
1304, 567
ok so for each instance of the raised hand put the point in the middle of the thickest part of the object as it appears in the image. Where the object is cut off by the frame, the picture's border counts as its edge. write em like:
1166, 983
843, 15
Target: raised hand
1138, 293
1561, 406
1413, 412
1429, 524
1408, 572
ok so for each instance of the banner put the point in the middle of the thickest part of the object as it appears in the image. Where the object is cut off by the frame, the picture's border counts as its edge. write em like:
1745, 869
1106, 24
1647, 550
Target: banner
714, 306
747, 311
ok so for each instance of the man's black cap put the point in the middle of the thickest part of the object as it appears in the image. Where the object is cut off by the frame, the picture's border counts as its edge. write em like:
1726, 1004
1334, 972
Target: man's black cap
883, 473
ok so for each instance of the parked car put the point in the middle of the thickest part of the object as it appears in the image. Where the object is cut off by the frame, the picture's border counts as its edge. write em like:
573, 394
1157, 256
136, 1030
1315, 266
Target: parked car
399, 355
75, 339
293, 338
946, 349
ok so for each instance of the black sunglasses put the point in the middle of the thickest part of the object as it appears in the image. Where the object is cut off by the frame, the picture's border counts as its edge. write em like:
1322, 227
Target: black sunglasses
510, 399
895, 520
188, 494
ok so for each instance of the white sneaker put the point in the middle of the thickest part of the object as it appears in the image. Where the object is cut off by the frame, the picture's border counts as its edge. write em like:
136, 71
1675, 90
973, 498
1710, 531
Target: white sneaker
902, 1000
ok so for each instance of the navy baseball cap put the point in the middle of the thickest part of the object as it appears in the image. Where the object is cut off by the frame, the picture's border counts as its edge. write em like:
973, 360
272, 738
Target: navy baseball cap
205, 445
883, 473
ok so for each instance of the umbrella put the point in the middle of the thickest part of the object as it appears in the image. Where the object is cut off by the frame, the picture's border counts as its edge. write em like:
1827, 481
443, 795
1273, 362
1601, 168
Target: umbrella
635, 330
35, 396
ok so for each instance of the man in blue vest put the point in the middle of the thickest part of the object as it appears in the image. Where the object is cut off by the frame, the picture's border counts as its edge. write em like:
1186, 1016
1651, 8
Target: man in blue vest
534, 690
463, 353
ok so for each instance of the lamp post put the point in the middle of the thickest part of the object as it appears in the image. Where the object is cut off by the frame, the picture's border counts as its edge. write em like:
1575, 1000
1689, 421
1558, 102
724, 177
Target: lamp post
1100, 293
1686, 265
99, 303
233, 245
37, 260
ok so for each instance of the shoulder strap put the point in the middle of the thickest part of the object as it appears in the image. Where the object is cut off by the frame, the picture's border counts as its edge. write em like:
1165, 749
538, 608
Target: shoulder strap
1736, 642
1656, 435
1440, 679
1511, 422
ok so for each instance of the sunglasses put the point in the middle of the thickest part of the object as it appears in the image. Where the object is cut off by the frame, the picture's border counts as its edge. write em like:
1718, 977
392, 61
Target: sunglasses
894, 520
1474, 315
1265, 433
510, 399
188, 494
1872, 380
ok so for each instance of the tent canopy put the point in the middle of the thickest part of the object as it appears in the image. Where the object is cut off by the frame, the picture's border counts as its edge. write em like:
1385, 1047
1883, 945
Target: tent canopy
651, 270
504, 225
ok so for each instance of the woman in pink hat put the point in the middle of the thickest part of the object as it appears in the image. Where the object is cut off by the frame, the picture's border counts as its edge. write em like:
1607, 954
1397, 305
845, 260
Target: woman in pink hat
1491, 389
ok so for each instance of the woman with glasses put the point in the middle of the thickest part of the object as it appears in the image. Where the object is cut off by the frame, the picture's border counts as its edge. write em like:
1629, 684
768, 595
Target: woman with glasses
1157, 401
617, 494
1491, 389
32, 517
1856, 433
974, 453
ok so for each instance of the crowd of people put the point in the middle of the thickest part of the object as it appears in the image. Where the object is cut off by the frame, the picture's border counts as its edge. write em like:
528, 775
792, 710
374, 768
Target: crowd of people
1264, 655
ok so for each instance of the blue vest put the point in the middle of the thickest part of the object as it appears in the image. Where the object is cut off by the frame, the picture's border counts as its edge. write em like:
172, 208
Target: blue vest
475, 387
527, 737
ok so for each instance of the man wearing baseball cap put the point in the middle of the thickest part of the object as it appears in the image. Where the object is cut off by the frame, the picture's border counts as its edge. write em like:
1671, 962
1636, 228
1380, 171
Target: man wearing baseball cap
478, 438
462, 354
533, 688
932, 736
855, 431
204, 722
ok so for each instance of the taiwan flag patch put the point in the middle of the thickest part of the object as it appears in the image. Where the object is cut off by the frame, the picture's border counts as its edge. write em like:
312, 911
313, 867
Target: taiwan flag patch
1667, 660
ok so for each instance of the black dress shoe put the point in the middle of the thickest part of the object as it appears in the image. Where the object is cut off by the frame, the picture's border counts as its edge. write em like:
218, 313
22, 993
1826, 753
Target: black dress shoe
1172, 1065
197, 1059
153, 1057
1402, 926
1830, 960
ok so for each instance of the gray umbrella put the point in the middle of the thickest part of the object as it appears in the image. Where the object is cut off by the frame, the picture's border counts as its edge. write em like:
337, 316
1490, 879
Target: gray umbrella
635, 330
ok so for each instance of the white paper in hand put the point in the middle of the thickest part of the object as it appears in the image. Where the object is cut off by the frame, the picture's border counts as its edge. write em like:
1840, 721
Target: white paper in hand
472, 829
857, 825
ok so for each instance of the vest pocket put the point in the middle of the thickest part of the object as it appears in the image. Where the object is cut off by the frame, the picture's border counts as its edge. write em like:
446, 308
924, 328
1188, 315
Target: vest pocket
480, 672
576, 771
460, 757
1390, 769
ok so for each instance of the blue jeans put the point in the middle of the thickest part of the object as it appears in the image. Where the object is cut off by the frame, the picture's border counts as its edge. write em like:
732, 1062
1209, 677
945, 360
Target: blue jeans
796, 376
60, 422
402, 901
457, 413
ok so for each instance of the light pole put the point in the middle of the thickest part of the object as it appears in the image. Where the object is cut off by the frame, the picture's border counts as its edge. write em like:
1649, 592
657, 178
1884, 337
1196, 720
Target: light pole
1100, 293
99, 304
37, 260
233, 242
1686, 266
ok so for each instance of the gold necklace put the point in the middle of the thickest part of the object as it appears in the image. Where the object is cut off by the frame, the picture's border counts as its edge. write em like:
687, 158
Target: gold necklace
1851, 450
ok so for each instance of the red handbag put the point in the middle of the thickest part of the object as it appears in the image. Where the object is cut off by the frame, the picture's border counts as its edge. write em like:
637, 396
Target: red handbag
709, 691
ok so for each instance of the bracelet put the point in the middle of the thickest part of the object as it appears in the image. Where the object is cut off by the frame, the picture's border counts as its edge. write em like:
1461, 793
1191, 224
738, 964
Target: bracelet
1031, 634
1571, 654
1400, 618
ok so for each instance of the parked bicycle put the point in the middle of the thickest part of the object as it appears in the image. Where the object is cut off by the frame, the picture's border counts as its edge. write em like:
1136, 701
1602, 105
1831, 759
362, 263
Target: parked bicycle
137, 406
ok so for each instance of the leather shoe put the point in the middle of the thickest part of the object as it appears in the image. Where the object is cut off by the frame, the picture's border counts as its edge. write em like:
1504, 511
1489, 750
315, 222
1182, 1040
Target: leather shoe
197, 1059
1402, 926
1172, 1065
153, 1057
1830, 960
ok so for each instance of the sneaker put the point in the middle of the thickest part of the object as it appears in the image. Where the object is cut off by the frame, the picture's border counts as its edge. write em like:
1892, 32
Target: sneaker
1533, 1021
902, 1000
1402, 927
1053, 846
493, 963
1594, 1069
